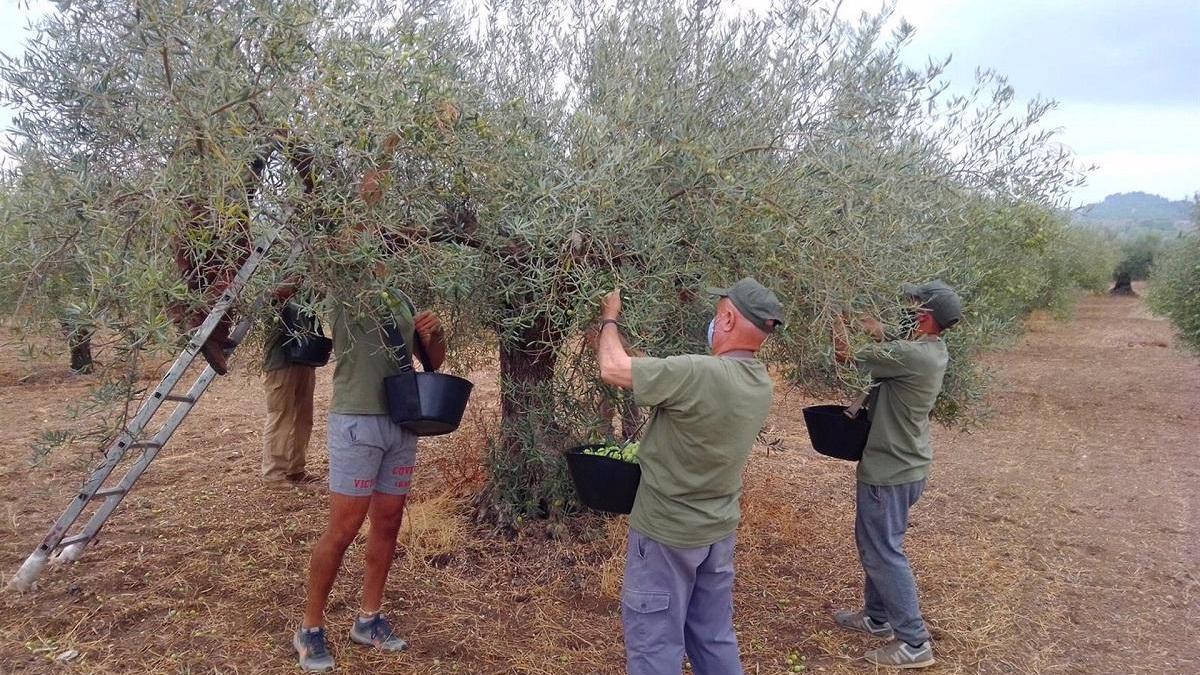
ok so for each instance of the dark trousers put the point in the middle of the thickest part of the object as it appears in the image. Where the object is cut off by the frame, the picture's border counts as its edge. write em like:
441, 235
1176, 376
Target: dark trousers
890, 592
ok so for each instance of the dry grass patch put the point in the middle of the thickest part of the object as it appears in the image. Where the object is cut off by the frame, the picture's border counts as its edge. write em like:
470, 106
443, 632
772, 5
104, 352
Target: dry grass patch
433, 528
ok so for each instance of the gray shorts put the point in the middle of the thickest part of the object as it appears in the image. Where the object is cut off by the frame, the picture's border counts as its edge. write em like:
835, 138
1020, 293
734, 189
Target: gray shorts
369, 453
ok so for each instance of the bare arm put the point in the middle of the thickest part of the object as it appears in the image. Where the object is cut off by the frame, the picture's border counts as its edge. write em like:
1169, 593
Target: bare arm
433, 338
616, 366
374, 183
841, 342
284, 291
872, 326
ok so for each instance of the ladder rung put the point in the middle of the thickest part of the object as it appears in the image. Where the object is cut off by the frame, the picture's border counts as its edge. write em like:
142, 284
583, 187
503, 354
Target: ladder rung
67, 541
179, 399
109, 491
145, 444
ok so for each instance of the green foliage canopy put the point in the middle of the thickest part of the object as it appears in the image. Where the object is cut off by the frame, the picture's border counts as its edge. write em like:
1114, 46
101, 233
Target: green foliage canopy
1138, 254
529, 158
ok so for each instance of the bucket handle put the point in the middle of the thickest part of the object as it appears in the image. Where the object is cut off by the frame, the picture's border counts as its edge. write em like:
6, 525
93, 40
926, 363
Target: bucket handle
395, 339
855, 407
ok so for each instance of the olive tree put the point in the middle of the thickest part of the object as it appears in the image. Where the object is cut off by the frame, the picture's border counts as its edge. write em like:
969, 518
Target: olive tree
509, 167
156, 141
1175, 293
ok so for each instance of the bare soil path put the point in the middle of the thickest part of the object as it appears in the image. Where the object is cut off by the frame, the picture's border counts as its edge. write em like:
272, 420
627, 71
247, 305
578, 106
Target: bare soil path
1061, 537
1092, 465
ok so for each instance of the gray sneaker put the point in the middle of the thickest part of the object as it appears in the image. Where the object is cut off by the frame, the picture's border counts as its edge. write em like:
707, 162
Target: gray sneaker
377, 632
314, 655
897, 654
861, 623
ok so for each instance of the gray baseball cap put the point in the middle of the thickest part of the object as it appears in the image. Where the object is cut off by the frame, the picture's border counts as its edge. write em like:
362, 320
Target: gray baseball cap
939, 299
755, 301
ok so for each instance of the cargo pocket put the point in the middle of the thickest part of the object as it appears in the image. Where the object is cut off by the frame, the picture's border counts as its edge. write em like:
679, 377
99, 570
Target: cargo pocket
646, 602
647, 624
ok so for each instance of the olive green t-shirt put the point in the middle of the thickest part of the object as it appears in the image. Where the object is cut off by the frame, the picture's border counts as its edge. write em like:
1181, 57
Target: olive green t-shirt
908, 377
707, 411
364, 359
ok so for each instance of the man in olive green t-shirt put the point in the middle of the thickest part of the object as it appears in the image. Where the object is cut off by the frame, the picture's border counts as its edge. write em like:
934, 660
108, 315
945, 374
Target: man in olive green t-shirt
706, 412
907, 378
289, 392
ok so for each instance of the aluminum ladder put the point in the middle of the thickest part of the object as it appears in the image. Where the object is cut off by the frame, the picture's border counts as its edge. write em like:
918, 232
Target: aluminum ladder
57, 547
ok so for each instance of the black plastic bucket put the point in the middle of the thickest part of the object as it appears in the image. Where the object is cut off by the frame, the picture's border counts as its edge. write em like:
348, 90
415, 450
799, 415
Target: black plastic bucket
309, 350
306, 344
603, 483
427, 404
834, 434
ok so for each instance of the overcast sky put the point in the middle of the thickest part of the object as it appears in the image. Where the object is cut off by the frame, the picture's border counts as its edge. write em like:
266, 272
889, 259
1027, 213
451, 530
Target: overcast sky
1126, 74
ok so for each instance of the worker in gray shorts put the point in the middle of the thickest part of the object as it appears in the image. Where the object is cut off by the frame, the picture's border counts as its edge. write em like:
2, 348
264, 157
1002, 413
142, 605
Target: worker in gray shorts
706, 413
368, 454
371, 463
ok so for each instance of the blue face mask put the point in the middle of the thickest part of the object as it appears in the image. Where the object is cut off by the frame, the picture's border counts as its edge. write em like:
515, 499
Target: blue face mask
711, 325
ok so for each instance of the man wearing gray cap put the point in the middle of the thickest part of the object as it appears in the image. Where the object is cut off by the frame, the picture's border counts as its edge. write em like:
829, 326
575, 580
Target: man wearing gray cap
907, 375
706, 412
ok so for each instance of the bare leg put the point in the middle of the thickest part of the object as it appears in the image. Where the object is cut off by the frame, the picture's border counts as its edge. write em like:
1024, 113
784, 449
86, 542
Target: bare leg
386, 513
346, 516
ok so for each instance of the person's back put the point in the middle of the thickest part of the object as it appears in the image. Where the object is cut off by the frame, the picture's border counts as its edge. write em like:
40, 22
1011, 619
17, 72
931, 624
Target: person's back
707, 412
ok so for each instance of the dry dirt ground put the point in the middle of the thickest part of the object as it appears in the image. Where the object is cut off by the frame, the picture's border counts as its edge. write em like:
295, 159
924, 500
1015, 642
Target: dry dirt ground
1061, 537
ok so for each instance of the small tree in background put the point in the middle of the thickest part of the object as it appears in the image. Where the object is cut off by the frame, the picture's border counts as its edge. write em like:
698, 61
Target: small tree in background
1138, 254
1175, 293
59, 291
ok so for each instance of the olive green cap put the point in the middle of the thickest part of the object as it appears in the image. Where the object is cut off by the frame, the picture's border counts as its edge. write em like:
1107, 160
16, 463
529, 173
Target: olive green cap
755, 302
939, 299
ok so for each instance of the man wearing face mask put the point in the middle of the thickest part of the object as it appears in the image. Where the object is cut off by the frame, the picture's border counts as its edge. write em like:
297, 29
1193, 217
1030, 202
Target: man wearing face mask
706, 412
907, 374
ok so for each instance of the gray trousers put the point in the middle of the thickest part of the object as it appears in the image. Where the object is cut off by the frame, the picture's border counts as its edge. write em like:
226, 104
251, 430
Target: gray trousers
890, 592
676, 600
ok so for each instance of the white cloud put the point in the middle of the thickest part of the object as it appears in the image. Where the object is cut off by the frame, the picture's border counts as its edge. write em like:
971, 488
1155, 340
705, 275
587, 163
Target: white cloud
1151, 148
1096, 128
1119, 71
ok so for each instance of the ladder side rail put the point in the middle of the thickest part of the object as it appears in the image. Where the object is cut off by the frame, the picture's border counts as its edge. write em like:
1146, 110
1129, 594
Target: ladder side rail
261, 247
33, 565
116, 450
72, 552
30, 569
177, 370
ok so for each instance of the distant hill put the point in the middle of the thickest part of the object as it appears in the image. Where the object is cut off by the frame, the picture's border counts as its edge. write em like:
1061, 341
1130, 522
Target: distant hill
1137, 211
